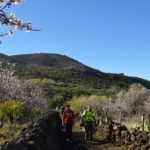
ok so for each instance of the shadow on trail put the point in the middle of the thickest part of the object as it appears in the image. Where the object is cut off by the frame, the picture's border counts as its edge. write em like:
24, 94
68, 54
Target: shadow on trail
77, 144
104, 142
56, 140
80, 144
97, 144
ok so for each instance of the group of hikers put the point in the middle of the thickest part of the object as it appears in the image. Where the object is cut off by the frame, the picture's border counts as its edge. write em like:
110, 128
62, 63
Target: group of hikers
87, 120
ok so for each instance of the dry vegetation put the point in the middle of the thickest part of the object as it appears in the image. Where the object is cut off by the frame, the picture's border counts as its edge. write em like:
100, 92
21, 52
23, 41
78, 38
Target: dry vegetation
7, 133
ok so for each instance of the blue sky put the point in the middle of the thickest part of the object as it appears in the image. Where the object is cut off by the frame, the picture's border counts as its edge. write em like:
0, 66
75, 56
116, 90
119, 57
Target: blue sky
109, 35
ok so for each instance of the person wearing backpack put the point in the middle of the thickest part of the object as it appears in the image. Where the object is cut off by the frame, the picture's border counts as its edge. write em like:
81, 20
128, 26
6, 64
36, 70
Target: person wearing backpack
61, 117
88, 119
68, 121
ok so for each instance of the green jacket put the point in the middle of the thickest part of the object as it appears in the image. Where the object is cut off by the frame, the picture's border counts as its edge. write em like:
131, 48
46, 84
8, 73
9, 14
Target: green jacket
88, 116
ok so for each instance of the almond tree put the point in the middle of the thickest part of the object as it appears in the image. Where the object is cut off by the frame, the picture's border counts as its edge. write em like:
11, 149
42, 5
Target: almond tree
35, 99
135, 101
10, 19
9, 90
14, 89
147, 104
10, 85
135, 98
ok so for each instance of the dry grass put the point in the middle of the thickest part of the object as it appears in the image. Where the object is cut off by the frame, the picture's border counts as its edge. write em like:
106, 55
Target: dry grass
7, 134
133, 122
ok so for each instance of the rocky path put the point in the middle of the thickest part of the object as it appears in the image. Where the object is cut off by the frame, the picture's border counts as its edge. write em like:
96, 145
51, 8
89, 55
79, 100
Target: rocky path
37, 138
80, 144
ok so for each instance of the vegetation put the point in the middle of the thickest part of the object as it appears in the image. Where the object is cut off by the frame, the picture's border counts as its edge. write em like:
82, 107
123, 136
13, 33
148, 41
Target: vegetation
68, 76
10, 112
31, 85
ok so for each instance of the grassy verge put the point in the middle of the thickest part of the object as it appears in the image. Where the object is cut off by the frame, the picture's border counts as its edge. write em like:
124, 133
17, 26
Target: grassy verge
7, 134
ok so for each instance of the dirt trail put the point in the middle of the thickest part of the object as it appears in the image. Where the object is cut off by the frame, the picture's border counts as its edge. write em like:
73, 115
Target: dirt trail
56, 141
98, 144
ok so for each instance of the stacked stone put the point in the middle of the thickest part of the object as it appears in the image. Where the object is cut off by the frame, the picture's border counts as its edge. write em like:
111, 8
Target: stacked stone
31, 138
133, 140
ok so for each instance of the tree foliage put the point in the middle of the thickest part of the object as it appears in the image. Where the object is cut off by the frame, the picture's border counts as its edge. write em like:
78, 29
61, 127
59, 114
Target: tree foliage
80, 104
37, 112
19, 90
134, 101
127, 103
13, 108
10, 85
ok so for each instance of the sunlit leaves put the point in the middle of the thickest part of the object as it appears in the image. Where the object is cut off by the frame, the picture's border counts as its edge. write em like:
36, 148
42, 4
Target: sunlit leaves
37, 112
12, 107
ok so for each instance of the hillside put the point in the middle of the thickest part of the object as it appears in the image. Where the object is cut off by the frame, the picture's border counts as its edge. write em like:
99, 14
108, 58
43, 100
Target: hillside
54, 61
51, 81
70, 72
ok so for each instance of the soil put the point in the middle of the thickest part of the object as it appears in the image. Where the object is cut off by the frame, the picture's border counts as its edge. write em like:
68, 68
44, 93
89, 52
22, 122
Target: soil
99, 143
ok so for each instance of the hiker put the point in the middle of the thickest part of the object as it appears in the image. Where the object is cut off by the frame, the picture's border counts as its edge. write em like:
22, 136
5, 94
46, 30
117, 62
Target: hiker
88, 119
61, 117
68, 121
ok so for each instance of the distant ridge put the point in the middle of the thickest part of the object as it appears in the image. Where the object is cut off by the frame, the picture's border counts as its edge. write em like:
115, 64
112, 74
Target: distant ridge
69, 71
49, 60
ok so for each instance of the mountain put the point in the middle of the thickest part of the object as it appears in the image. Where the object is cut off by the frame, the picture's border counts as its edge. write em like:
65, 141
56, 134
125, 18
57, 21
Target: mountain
54, 61
71, 73
4, 57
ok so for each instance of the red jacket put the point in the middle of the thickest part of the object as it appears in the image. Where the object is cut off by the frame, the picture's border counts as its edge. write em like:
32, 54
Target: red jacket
68, 116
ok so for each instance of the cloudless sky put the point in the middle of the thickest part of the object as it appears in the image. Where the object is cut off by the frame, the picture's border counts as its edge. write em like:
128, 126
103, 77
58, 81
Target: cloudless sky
109, 35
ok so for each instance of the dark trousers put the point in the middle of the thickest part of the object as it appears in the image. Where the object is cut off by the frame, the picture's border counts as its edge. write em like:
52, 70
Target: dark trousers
89, 130
68, 130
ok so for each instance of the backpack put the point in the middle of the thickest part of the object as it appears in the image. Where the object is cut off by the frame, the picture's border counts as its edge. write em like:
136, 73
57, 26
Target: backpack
68, 114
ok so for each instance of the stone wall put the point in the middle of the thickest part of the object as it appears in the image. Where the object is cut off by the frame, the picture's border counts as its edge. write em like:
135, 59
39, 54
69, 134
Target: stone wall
34, 137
